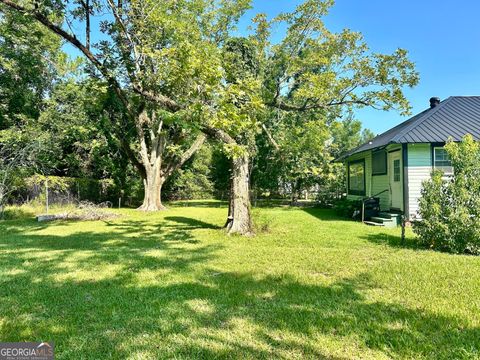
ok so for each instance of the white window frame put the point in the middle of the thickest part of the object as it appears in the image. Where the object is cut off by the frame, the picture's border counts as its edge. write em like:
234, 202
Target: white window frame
447, 170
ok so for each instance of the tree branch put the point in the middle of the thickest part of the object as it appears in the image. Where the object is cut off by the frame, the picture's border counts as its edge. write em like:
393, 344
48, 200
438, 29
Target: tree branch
86, 8
270, 137
178, 163
218, 135
316, 106
72, 39
123, 27
161, 100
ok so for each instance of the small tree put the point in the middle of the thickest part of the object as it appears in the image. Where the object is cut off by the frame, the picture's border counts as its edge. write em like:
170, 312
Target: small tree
15, 161
450, 208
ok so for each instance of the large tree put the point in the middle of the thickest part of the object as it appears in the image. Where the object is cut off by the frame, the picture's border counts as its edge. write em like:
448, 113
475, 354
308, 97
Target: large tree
311, 71
161, 59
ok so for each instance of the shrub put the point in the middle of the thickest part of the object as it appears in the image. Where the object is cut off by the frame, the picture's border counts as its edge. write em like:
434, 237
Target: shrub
450, 207
346, 208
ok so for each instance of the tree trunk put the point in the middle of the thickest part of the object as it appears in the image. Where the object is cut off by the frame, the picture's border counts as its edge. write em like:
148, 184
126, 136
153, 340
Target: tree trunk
294, 198
240, 219
230, 203
152, 199
155, 171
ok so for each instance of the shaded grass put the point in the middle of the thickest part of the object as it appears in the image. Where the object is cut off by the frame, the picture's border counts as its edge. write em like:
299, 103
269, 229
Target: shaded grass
172, 285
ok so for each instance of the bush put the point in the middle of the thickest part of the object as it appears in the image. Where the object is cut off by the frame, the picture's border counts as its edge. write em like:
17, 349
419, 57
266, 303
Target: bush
346, 208
450, 207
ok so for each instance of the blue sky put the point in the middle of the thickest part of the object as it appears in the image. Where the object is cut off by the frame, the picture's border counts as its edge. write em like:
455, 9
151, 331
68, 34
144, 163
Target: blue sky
442, 37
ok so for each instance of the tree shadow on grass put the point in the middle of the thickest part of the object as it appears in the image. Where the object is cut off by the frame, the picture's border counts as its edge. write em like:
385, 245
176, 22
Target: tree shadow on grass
190, 223
326, 214
393, 240
151, 293
201, 204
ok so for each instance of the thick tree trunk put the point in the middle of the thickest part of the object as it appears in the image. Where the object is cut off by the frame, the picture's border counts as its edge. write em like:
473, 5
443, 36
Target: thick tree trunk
240, 219
155, 171
152, 199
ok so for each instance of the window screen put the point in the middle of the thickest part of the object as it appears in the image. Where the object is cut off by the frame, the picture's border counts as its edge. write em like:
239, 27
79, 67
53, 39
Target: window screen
379, 162
356, 178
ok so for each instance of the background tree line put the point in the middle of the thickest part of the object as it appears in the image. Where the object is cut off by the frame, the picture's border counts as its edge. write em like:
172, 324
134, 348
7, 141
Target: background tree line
157, 79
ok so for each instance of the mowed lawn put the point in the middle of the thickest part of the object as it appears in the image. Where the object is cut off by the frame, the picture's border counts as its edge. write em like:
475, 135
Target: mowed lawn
173, 285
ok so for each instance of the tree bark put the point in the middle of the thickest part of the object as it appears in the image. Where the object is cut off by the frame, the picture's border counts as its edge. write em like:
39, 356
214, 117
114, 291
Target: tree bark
152, 199
240, 219
157, 169
230, 203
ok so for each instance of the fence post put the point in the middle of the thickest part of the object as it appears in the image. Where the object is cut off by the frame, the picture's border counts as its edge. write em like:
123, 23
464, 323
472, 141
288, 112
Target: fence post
403, 219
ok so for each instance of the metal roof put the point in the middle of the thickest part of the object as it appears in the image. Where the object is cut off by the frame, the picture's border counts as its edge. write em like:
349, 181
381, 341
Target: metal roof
453, 118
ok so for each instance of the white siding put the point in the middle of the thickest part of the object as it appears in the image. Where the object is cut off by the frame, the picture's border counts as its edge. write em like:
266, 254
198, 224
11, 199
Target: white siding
379, 184
419, 170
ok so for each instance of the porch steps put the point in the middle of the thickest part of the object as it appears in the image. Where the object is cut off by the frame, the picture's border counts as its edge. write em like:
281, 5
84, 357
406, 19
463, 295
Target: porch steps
397, 218
371, 223
387, 218
386, 222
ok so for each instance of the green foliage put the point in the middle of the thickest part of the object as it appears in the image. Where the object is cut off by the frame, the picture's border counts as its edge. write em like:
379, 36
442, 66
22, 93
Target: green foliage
78, 120
450, 208
307, 144
194, 180
311, 80
220, 168
181, 66
346, 208
30, 57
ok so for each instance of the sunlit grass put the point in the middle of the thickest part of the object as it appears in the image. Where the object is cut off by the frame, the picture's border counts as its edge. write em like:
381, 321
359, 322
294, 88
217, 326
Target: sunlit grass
173, 285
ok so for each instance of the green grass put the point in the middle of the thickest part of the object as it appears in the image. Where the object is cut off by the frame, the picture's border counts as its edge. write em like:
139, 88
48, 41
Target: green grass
173, 285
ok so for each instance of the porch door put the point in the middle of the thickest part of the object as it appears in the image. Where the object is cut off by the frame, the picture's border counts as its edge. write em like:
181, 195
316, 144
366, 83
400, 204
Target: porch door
395, 175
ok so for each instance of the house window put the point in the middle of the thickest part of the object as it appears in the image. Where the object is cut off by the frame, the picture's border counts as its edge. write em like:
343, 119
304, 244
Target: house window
396, 170
379, 162
441, 160
356, 177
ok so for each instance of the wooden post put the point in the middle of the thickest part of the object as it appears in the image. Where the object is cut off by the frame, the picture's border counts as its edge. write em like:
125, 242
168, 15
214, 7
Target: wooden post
119, 202
403, 219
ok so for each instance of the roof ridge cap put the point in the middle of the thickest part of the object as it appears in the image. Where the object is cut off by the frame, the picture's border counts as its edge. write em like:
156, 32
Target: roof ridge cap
417, 122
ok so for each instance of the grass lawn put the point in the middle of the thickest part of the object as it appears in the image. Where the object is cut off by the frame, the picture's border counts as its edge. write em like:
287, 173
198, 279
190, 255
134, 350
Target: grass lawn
172, 285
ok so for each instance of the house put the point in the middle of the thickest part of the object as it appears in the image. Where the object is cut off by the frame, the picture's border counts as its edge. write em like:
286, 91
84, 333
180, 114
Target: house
393, 165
